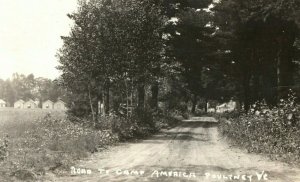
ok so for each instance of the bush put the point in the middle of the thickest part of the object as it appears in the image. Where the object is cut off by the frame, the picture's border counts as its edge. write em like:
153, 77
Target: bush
124, 128
3, 148
138, 125
274, 131
53, 144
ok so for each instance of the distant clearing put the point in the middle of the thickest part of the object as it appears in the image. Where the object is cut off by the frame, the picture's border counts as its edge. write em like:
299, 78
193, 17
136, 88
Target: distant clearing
15, 121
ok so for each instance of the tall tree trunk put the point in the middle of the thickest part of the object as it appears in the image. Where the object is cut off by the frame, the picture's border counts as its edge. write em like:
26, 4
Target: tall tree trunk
154, 98
103, 102
194, 103
285, 70
256, 95
256, 88
141, 96
279, 80
246, 86
206, 105
107, 100
270, 87
91, 104
127, 97
131, 97
97, 109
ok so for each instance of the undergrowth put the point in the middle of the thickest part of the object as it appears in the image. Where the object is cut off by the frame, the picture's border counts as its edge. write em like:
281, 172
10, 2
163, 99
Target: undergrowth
272, 131
54, 145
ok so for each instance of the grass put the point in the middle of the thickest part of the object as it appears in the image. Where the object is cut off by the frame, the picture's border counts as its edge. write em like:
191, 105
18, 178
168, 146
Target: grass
36, 141
15, 122
40, 141
272, 133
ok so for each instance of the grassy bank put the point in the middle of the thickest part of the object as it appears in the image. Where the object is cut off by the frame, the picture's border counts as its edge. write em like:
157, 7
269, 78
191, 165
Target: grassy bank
16, 121
35, 142
274, 132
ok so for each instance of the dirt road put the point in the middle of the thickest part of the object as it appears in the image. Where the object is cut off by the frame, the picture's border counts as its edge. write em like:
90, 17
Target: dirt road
192, 151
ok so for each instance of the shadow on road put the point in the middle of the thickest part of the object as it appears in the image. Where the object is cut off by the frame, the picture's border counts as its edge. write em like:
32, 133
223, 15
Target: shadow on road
177, 133
176, 136
198, 124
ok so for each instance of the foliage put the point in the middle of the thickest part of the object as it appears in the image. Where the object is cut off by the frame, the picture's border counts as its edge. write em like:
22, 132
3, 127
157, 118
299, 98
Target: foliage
273, 131
28, 87
23, 119
191, 43
137, 125
52, 145
112, 45
3, 148
257, 44
36, 143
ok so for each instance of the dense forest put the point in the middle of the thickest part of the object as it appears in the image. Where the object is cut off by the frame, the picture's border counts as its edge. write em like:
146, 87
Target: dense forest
28, 87
139, 53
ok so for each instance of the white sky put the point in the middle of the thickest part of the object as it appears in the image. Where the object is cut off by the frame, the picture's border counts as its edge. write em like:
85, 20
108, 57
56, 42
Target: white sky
30, 33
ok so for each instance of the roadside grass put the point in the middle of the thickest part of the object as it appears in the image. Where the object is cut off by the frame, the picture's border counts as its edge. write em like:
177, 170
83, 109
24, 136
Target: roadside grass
270, 131
16, 121
35, 142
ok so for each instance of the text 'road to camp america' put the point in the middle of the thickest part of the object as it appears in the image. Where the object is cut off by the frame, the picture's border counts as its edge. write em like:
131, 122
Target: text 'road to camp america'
258, 176
120, 172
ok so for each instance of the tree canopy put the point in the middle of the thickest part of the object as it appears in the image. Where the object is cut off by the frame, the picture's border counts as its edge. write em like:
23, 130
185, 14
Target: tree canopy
138, 53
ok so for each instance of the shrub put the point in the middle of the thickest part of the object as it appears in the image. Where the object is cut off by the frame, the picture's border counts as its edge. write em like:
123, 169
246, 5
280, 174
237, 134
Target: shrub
124, 128
274, 131
138, 125
3, 148
54, 144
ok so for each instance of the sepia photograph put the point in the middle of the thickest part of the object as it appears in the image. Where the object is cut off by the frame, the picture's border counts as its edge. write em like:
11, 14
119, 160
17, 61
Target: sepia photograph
150, 90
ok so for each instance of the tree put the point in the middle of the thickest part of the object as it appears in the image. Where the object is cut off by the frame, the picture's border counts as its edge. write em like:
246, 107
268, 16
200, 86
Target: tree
191, 43
111, 43
261, 38
28, 87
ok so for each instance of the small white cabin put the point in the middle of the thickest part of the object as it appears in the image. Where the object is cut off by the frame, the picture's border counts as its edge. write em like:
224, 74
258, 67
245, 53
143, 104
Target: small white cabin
227, 107
60, 105
19, 104
2, 103
48, 104
30, 104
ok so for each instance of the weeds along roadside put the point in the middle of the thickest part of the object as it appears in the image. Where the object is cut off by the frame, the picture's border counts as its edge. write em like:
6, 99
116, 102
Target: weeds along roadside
54, 144
270, 131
